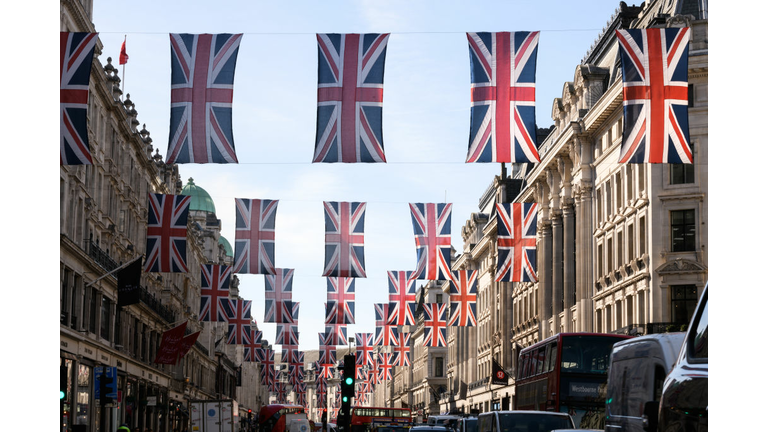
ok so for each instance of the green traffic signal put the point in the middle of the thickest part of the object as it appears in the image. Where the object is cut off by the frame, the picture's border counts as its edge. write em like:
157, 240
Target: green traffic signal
344, 399
349, 380
62, 394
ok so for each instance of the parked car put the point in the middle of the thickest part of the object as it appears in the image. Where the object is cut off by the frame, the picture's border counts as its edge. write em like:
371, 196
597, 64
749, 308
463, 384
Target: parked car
684, 401
638, 367
523, 421
431, 428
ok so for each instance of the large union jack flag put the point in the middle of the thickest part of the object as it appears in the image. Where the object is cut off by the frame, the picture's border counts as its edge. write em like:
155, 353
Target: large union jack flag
278, 293
75, 74
516, 225
432, 231
503, 111
255, 236
167, 233
463, 298
344, 239
340, 308
214, 284
202, 77
364, 348
654, 65
252, 346
350, 91
403, 350
238, 314
435, 324
402, 298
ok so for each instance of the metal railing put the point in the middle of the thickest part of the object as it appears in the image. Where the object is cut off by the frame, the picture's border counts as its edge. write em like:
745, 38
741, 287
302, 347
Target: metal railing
154, 303
101, 257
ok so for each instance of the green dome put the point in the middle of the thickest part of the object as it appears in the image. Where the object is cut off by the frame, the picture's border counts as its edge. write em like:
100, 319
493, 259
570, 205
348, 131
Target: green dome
227, 246
201, 201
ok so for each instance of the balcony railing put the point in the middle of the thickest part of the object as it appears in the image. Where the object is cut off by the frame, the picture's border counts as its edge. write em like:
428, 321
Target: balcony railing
101, 257
477, 384
153, 303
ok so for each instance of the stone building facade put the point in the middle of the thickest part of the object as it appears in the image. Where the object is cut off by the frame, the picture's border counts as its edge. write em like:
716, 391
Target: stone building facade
103, 216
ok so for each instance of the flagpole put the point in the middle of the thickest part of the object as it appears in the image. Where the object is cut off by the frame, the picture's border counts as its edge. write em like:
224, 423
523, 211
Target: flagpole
122, 83
117, 269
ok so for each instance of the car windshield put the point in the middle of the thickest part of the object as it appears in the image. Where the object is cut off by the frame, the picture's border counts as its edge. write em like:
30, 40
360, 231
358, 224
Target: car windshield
532, 422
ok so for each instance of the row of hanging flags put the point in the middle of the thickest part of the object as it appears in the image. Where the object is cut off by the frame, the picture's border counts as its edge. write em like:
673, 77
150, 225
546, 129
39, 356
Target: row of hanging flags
350, 88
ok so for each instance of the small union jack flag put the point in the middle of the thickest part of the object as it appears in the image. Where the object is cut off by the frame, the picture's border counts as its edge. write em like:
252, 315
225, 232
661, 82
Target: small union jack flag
385, 335
402, 298
463, 298
432, 230
403, 350
326, 369
340, 308
385, 367
267, 360
238, 314
654, 66
255, 236
336, 334
350, 90
381, 313
214, 284
373, 375
75, 74
202, 78
287, 334
278, 293
360, 371
516, 225
167, 233
503, 109
252, 346
364, 348
327, 350
344, 239
435, 324
295, 374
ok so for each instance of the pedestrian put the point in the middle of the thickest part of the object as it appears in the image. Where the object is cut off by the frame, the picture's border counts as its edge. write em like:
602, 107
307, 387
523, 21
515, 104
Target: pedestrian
123, 428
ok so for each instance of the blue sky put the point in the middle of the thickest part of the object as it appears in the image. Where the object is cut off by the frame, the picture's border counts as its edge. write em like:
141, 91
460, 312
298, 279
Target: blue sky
425, 118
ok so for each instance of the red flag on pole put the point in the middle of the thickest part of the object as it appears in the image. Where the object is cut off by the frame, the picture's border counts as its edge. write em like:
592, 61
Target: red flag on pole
170, 344
123, 54
186, 343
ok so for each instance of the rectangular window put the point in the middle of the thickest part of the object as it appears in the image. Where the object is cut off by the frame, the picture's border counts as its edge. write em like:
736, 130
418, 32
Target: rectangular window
619, 193
619, 251
608, 201
631, 242
610, 255
438, 298
681, 173
684, 299
642, 242
66, 293
683, 226
438, 366
690, 95
106, 313
93, 310
599, 202
630, 183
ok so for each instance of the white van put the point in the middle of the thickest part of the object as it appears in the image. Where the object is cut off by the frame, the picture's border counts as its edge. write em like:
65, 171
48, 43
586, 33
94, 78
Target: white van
636, 375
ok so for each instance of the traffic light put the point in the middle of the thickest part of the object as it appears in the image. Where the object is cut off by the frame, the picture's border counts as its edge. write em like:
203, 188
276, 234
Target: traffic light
250, 415
104, 388
347, 386
63, 373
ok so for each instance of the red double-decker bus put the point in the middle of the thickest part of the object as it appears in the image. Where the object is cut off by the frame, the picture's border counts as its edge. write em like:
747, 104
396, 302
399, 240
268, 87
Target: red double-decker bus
567, 373
365, 419
275, 417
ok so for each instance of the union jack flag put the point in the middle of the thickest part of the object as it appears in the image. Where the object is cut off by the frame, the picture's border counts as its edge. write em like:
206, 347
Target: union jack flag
327, 350
214, 284
516, 225
403, 350
360, 371
654, 65
167, 233
350, 90
75, 74
340, 308
295, 357
287, 334
267, 360
296, 374
238, 315
301, 396
278, 293
255, 236
432, 230
381, 312
336, 334
326, 369
364, 348
402, 298
373, 375
385, 335
202, 78
385, 367
252, 346
434, 324
503, 109
344, 238
463, 298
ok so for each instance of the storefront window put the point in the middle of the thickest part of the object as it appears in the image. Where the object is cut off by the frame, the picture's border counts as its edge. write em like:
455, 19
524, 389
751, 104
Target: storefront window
83, 395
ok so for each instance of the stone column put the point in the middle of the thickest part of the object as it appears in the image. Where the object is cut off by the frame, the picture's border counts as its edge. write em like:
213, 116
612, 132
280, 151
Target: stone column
569, 261
545, 278
557, 267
